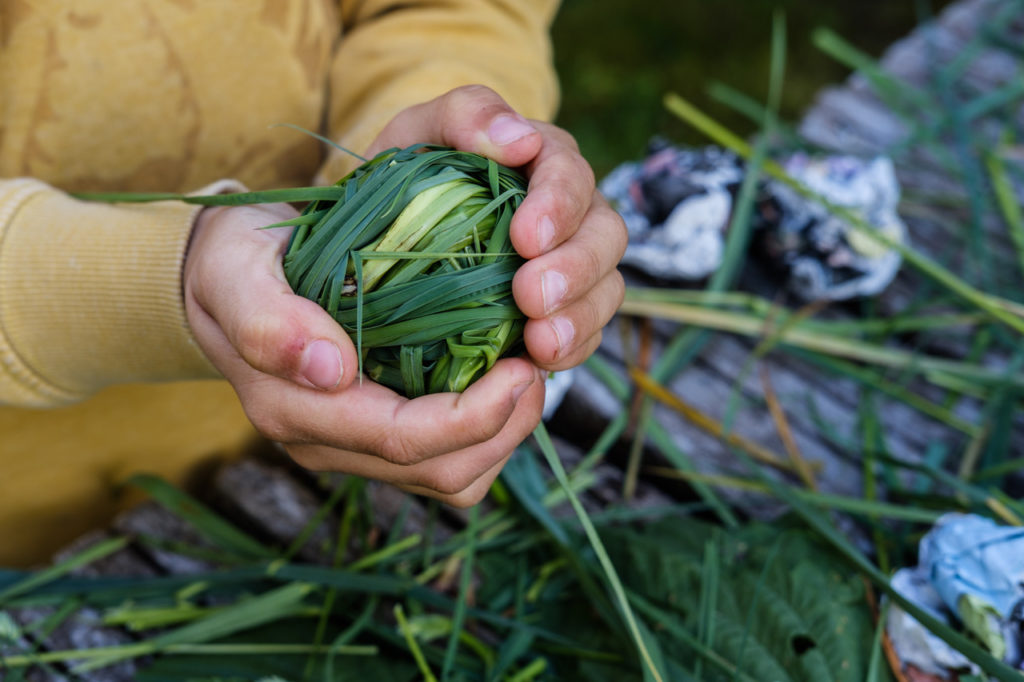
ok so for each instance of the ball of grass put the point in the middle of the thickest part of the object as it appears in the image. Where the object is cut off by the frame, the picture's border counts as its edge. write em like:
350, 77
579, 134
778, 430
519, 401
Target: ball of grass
414, 261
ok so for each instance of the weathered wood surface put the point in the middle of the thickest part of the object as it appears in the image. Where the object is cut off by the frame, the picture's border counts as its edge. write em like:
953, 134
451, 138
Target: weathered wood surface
272, 498
823, 410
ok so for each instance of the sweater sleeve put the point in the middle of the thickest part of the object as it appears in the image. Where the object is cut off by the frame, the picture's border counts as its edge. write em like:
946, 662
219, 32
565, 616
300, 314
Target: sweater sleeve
396, 53
96, 302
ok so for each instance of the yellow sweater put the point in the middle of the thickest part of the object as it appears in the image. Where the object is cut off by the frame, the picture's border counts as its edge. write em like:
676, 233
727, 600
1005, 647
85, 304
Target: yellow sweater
97, 364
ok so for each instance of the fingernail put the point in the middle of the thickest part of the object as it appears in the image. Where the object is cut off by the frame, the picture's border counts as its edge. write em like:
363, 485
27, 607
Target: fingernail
545, 233
519, 389
508, 128
553, 286
321, 364
565, 332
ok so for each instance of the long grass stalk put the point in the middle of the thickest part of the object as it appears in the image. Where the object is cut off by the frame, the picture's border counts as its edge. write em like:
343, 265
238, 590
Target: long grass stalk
531, 671
315, 521
998, 470
1008, 203
465, 585
905, 395
684, 347
1001, 509
405, 544
269, 606
875, 664
414, 647
137, 650
903, 96
670, 624
83, 558
612, 576
707, 605
705, 423
350, 490
763, 308
871, 446
211, 525
853, 505
851, 349
347, 635
659, 436
803, 468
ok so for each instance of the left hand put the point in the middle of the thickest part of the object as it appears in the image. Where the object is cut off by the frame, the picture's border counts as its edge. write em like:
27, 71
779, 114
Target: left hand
569, 287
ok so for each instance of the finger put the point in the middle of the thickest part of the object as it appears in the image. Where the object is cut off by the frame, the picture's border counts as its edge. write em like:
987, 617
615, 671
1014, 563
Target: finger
560, 192
468, 496
546, 284
459, 477
237, 281
471, 118
567, 337
371, 419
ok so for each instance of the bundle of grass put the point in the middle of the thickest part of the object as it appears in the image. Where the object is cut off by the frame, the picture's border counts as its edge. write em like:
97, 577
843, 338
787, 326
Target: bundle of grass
414, 261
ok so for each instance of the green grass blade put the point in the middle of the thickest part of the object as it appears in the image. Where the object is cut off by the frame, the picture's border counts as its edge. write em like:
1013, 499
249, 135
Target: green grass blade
414, 647
270, 196
548, 448
267, 607
210, 524
48, 575
465, 584
1008, 203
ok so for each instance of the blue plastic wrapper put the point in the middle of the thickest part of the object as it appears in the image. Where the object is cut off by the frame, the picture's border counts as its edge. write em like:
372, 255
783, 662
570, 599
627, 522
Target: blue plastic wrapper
970, 573
967, 554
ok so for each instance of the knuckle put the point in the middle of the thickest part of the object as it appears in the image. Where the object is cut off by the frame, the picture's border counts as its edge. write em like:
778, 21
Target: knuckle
478, 425
467, 99
255, 337
583, 169
561, 137
270, 343
595, 314
563, 188
270, 426
618, 292
473, 91
621, 236
396, 447
592, 262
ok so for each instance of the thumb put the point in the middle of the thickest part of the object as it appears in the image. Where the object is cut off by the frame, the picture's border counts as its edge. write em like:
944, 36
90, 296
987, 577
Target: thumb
244, 313
472, 118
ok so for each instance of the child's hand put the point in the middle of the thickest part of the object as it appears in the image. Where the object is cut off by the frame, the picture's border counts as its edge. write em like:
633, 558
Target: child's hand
294, 368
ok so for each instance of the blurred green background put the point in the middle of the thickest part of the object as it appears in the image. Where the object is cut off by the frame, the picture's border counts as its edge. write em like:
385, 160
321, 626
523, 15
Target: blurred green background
617, 58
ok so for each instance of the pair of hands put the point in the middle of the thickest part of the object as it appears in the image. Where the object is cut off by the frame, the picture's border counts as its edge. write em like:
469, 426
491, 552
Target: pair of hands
294, 368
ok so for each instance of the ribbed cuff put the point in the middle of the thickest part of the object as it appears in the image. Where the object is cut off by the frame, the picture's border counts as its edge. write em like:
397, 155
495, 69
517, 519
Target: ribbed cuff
90, 294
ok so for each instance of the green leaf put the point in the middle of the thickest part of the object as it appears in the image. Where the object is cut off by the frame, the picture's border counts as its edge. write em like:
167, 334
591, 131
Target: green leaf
801, 618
